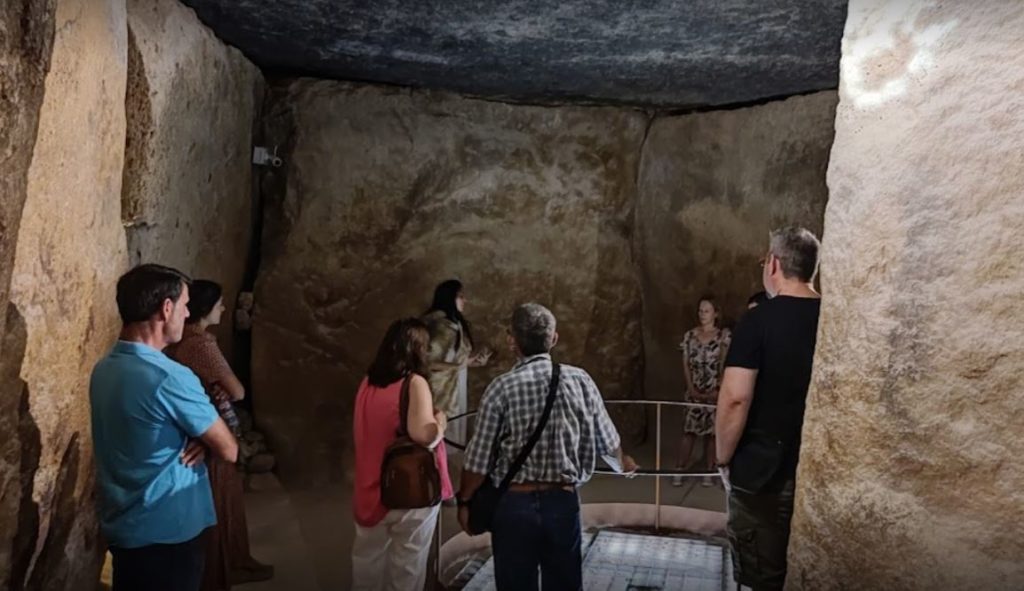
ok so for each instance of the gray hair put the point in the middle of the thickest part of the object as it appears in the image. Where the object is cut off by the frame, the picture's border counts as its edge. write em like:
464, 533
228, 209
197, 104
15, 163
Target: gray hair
797, 250
533, 328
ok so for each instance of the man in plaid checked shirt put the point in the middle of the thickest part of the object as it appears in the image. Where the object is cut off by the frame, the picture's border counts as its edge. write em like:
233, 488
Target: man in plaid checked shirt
538, 521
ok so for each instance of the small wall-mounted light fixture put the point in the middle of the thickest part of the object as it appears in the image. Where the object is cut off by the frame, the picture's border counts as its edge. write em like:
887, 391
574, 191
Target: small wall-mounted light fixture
262, 156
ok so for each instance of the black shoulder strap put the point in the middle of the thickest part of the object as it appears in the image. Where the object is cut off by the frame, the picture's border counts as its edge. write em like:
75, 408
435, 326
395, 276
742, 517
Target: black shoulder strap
524, 453
403, 407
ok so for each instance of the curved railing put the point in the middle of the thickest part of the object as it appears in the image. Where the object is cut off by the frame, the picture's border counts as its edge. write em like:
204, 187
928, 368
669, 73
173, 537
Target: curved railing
658, 473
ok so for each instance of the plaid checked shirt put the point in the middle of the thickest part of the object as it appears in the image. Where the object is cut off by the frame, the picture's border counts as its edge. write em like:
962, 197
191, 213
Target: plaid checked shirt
578, 431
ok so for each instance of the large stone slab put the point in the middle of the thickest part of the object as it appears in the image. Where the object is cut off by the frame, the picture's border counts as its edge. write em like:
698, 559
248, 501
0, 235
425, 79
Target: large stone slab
384, 193
25, 50
712, 185
910, 476
187, 196
25, 54
658, 52
70, 251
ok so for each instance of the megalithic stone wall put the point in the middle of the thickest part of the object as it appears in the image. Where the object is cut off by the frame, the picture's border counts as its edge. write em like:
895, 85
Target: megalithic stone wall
62, 317
187, 199
65, 69
385, 193
911, 474
617, 222
25, 49
711, 186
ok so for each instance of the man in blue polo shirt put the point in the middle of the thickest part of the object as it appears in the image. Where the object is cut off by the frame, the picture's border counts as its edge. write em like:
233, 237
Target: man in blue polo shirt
152, 424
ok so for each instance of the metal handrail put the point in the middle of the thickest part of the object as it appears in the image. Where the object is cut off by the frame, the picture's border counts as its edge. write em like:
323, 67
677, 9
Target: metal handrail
657, 472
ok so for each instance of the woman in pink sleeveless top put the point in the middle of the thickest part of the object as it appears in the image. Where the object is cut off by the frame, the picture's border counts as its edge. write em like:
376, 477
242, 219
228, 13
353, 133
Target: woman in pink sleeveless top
392, 546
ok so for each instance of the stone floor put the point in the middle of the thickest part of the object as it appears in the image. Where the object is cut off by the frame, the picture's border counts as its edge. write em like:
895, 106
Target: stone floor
307, 534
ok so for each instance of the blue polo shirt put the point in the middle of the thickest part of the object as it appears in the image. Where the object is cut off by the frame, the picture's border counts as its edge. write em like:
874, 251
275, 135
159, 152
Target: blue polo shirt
145, 407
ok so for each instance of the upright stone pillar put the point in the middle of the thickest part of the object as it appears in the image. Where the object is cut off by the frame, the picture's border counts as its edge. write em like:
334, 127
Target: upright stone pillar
26, 42
61, 315
911, 474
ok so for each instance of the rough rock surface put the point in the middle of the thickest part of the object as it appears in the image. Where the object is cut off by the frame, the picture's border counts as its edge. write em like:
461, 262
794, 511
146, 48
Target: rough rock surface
25, 48
665, 52
70, 251
910, 476
25, 56
711, 187
384, 193
191, 105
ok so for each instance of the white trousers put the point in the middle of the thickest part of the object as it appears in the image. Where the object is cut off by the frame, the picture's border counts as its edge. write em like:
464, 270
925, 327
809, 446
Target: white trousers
457, 431
392, 555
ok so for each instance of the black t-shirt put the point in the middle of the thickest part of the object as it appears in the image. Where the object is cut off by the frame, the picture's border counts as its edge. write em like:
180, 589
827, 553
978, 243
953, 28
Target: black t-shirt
777, 339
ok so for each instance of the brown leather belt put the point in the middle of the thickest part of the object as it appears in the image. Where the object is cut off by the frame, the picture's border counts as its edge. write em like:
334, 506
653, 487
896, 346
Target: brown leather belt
540, 487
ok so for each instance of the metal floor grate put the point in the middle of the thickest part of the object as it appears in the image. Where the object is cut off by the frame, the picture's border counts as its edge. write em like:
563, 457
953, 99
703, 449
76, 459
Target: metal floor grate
622, 561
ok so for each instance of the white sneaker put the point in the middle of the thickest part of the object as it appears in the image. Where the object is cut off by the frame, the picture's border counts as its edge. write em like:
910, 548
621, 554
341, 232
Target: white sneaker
677, 480
706, 481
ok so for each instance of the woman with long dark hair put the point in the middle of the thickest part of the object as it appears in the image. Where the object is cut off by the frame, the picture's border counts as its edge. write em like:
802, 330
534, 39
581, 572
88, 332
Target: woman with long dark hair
228, 560
451, 353
391, 547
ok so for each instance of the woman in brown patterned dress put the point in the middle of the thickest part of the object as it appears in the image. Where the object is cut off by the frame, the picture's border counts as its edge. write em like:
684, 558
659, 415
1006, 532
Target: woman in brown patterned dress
703, 349
227, 558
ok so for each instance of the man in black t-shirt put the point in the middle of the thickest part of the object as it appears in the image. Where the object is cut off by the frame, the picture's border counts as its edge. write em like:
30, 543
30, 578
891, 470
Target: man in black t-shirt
761, 408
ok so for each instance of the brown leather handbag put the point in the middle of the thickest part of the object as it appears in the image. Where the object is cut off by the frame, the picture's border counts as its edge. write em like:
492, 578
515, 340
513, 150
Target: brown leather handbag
409, 478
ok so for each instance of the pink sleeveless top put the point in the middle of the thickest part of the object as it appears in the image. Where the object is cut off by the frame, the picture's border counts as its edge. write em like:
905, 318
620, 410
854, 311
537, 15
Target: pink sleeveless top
375, 427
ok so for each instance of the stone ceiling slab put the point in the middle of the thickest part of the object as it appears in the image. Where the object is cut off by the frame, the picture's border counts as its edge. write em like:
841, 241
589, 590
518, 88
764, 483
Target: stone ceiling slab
662, 53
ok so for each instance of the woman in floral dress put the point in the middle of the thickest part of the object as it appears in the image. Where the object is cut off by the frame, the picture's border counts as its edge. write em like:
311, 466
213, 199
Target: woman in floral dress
703, 349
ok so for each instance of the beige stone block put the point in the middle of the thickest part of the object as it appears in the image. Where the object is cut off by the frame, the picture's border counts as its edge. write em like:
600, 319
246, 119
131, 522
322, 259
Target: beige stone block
25, 48
712, 185
910, 475
70, 251
188, 190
